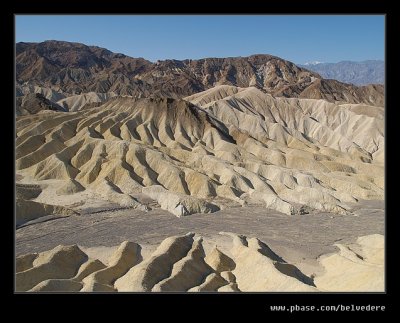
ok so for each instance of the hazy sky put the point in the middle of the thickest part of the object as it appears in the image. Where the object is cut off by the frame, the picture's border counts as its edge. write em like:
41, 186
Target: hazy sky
296, 38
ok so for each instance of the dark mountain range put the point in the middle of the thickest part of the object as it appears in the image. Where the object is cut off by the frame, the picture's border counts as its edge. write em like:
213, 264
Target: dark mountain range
75, 68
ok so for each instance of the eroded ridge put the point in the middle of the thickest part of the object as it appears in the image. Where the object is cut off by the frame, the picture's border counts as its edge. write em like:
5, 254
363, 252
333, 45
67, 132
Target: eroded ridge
181, 263
227, 147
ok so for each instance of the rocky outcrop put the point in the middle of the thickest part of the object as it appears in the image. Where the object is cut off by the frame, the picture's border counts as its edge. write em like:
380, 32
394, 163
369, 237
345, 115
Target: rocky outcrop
34, 103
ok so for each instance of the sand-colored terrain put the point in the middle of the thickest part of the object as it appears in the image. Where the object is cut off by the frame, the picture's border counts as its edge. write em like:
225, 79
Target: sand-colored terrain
77, 102
181, 263
299, 240
106, 194
356, 267
285, 154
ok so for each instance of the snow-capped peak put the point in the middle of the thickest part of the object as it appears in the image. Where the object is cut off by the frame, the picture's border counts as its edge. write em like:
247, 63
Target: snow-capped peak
313, 63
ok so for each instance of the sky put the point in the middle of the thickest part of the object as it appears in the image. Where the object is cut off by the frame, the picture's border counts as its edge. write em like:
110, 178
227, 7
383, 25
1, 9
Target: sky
297, 38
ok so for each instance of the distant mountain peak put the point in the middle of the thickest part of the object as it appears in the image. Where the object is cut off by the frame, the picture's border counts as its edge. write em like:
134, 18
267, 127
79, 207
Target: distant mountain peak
313, 63
357, 73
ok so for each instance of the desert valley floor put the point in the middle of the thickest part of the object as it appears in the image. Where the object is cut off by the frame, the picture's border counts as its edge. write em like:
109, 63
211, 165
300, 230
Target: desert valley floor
300, 240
